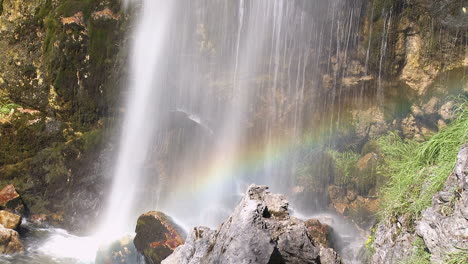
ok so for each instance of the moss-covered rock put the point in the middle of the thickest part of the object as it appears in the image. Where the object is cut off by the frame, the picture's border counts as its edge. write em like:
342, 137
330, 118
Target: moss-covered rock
58, 81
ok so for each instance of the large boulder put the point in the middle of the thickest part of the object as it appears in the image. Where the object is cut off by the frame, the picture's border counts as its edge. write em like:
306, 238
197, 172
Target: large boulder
260, 230
157, 235
9, 241
444, 225
10, 200
9, 220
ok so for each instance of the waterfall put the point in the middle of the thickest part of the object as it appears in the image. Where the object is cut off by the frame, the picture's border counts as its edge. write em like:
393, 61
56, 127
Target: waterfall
140, 118
219, 94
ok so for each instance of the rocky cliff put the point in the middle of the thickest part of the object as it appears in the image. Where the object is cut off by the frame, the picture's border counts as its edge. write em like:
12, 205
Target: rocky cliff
59, 83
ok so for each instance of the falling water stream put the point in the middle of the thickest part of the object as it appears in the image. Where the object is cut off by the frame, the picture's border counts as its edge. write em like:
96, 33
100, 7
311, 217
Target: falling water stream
220, 94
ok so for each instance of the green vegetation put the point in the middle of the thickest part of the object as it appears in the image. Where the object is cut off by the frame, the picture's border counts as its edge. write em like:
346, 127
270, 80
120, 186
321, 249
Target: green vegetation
420, 254
345, 165
370, 242
459, 257
416, 171
6, 109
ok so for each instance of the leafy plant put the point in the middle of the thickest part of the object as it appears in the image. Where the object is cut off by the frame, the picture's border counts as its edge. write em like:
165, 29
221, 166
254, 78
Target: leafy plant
345, 165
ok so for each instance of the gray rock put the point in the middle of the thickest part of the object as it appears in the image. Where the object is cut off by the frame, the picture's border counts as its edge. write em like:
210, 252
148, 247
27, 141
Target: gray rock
392, 244
444, 225
260, 230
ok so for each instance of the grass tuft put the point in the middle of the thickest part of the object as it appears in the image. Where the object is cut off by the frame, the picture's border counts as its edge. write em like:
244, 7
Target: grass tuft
345, 165
458, 257
417, 171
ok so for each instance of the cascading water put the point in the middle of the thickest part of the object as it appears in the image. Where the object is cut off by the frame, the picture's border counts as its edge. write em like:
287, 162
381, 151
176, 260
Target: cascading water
240, 66
220, 93
223, 94
141, 116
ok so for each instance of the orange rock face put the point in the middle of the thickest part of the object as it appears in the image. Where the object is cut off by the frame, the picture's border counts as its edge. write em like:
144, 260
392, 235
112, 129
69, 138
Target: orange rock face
7, 194
11, 201
77, 18
106, 13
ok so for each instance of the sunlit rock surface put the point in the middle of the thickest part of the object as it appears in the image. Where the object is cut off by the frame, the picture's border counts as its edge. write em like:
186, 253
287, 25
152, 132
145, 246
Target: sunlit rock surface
9, 241
260, 230
444, 225
9, 220
157, 235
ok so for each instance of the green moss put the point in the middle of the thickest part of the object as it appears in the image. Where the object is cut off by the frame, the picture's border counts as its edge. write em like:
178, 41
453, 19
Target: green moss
44, 10
51, 24
416, 171
70, 8
6, 109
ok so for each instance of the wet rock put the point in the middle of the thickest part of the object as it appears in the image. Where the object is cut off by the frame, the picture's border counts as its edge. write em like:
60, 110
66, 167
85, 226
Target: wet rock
431, 106
254, 233
11, 201
9, 220
335, 192
157, 236
447, 110
351, 195
367, 161
122, 251
444, 225
9, 241
320, 233
329, 256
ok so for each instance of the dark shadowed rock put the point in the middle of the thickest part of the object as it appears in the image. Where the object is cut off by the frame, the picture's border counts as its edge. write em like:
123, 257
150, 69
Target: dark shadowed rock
260, 230
11, 201
157, 236
9, 241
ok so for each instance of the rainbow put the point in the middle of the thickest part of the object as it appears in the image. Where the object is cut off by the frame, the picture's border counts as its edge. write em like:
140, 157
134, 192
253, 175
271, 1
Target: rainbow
233, 162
